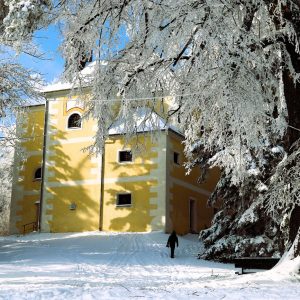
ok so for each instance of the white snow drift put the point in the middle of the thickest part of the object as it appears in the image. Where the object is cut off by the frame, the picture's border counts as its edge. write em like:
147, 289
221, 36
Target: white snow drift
125, 265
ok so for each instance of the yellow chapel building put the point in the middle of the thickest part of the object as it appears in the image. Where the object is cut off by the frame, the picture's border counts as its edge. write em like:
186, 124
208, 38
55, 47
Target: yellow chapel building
59, 187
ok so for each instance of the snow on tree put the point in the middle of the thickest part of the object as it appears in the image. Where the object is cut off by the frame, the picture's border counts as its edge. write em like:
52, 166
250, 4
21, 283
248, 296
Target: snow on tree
21, 18
233, 69
7, 146
17, 84
5, 191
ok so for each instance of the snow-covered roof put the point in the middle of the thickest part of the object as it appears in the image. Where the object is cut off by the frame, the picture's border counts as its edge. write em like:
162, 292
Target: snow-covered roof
58, 86
31, 104
86, 74
145, 120
34, 104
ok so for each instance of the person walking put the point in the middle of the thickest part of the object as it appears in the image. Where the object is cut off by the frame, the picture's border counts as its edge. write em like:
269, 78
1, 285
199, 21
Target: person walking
172, 240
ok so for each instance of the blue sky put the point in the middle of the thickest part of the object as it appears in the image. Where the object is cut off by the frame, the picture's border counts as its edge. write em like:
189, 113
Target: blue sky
48, 41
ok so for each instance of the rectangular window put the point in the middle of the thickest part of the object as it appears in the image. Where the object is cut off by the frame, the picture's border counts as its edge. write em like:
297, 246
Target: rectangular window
125, 156
124, 200
176, 158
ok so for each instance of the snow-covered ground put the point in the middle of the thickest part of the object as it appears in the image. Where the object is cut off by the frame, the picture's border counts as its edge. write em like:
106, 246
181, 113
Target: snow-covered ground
124, 265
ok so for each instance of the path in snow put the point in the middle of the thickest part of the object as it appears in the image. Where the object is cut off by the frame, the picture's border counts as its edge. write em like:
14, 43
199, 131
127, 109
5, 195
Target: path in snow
122, 265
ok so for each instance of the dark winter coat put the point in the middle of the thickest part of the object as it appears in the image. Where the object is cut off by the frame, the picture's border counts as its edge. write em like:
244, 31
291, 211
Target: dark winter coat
172, 240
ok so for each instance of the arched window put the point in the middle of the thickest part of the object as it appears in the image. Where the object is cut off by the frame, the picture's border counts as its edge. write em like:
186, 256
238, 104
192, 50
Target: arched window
38, 174
74, 121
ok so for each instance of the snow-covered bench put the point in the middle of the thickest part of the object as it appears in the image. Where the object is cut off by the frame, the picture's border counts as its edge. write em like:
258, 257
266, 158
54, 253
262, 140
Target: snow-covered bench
254, 264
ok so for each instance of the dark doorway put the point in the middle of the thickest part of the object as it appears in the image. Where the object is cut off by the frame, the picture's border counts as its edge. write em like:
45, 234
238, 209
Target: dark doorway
193, 216
37, 214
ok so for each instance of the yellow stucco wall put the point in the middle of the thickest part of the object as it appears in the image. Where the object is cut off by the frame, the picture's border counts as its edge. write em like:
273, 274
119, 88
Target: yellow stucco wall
73, 176
180, 213
71, 194
182, 188
144, 178
85, 216
134, 218
142, 163
28, 158
71, 198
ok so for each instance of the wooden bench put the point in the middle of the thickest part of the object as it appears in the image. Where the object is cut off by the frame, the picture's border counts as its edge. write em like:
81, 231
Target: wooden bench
254, 264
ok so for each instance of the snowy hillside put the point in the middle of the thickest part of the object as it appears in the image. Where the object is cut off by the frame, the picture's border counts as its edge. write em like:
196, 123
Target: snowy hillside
122, 266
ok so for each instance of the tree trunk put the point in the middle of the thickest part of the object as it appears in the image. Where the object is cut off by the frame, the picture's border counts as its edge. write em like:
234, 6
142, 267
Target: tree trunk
292, 96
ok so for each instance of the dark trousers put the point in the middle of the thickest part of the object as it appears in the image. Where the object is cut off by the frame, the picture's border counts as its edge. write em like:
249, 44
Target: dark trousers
172, 252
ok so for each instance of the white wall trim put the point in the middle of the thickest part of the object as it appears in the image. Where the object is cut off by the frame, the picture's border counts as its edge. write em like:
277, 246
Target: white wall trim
31, 193
130, 179
72, 140
159, 173
33, 153
73, 183
191, 187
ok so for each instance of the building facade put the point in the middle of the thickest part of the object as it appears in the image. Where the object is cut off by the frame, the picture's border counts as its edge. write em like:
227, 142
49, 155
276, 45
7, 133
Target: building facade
60, 187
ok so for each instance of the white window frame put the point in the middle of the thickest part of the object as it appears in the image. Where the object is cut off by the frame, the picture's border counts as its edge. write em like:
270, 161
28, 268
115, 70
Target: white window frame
124, 162
123, 205
74, 128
